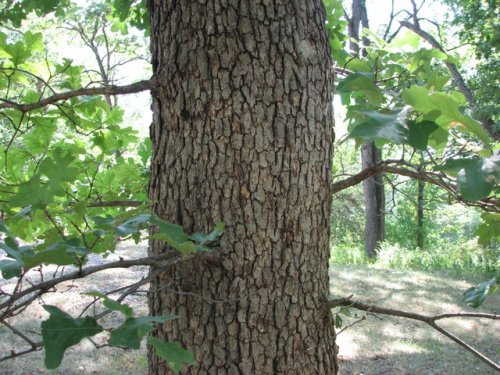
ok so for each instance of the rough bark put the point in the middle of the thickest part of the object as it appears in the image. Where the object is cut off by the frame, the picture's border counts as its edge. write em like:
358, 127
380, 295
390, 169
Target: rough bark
242, 133
374, 194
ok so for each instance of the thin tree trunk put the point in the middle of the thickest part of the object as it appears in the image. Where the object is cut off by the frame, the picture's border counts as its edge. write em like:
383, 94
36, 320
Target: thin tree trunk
373, 187
374, 195
420, 214
242, 133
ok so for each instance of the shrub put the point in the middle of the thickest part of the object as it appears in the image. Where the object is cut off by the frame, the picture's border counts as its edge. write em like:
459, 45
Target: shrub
461, 256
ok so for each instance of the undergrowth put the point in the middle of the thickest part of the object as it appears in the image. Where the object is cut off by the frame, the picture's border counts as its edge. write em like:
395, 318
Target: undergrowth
463, 257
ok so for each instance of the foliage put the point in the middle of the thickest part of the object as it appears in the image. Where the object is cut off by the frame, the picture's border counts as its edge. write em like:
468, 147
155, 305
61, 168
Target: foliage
346, 220
479, 26
61, 331
17, 11
400, 94
475, 296
62, 165
463, 257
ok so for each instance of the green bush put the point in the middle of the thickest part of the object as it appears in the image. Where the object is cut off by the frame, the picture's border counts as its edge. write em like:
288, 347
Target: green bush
349, 254
461, 256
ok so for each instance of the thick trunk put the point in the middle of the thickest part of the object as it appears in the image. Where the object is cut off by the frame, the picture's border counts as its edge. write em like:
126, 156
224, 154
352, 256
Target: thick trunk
242, 133
374, 194
420, 214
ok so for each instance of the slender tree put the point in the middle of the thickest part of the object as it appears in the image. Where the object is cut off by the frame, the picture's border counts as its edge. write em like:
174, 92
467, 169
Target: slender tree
373, 187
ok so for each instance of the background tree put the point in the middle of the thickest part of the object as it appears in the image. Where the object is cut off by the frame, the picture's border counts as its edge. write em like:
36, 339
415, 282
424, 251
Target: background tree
373, 187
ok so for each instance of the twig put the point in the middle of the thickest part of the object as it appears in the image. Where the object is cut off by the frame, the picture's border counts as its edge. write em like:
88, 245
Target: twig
428, 319
14, 354
47, 285
350, 325
20, 334
117, 204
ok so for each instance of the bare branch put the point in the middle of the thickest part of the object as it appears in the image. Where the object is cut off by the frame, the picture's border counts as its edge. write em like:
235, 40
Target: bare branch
18, 354
428, 319
106, 90
387, 166
117, 204
13, 304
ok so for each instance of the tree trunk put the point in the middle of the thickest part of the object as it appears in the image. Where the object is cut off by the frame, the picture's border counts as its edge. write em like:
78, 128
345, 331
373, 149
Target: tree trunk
373, 188
420, 214
242, 133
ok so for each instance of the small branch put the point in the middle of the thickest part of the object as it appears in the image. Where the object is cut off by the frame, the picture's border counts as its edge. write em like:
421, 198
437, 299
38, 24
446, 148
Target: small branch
47, 285
20, 334
117, 204
14, 354
452, 67
106, 90
428, 319
457, 77
387, 166
351, 325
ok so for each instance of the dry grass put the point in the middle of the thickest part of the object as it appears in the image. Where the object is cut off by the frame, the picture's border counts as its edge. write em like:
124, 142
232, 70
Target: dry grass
399, 346
373, 347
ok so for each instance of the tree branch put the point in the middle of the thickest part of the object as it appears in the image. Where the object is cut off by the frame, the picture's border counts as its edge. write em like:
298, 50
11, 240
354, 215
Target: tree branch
105, 90
457, 77
428, 319
117, 204
387, 166
45, 286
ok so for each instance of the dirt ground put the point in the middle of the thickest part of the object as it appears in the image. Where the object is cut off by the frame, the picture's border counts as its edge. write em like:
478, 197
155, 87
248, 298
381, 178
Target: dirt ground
377, 346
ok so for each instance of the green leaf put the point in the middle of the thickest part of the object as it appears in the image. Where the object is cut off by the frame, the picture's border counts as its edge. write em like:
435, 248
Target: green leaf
32, 192
448, 108
338, 321
203, 238
489, 229
18, 52
133, 225
61, 253
475, 296
61, 331
58, 169
476, 177
386, 127
362, 83
112, 304
172, 352
419, 132
406, 38
131, 332
33, 41
11, 268
173, 235
117, 306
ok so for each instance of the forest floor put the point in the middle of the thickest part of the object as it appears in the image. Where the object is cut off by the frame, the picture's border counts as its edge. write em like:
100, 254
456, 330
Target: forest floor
379, 345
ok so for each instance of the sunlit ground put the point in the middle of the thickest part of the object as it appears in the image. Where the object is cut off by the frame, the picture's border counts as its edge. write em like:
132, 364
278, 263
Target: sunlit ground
377, 346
